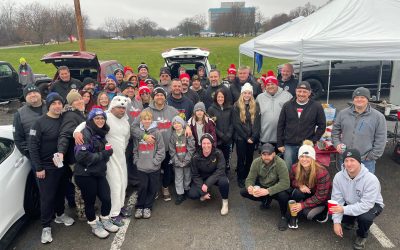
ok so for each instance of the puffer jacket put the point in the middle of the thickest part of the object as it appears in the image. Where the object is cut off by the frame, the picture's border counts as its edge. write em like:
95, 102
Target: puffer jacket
222, 116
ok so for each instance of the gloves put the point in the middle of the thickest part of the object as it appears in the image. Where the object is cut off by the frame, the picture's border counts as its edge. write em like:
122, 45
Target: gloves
107, 153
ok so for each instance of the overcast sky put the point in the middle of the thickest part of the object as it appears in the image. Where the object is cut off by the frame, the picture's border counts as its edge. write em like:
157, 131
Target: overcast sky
168, 13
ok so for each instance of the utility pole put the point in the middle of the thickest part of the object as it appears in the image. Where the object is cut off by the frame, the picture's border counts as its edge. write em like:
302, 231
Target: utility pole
79, 25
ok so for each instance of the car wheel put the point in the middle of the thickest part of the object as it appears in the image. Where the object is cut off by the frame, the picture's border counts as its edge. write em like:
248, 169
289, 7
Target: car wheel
316, 87
32, 197
44, 89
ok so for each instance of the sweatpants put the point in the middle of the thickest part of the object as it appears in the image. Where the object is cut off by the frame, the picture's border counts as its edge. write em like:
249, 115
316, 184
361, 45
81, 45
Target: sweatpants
244, 153
226, 150
309, 213
195, 192
92, 187
52, 192
281, 197
168, 175
182, 179
364, 220
149, 184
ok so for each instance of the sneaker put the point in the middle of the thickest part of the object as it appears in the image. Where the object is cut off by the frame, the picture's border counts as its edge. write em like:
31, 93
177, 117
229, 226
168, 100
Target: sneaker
349, 226
359, 243
139, 213
166, 194
98, 229
179, 199
322, 217
126, 211
117, 220
146, 213
293, 223
46, 235
283, 224
108, 225
65, 219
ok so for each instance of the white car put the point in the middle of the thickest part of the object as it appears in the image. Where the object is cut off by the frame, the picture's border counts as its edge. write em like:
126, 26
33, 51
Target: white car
189, 57
19, 194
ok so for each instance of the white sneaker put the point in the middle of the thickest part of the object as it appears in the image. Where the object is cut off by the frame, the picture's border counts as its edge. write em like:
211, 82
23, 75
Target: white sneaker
108, 225
46, 235
65, 219
98, 229
224, 209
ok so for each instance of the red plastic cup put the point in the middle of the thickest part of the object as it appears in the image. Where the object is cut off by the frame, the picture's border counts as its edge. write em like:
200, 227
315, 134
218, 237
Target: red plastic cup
331, 203
108, 146
398, 115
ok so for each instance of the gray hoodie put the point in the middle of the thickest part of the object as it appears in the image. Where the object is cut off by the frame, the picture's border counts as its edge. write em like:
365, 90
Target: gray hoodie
365, 132
359, 194
181, 149
270, 108
163, 118
148, 157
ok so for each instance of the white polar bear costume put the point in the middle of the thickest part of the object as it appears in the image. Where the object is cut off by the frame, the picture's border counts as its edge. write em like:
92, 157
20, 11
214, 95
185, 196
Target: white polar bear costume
117, 172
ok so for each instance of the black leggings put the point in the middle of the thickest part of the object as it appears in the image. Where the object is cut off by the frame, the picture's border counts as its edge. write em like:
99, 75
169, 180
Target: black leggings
92, 187
226, 150
52, 192
244, 153
310, 213
281, 197
195, 192
168, 176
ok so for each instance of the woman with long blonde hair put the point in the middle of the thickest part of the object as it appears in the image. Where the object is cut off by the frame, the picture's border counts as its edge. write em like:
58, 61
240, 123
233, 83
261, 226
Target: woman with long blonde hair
246, 122
311, 186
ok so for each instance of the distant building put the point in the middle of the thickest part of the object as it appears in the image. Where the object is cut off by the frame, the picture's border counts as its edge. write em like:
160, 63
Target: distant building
226, 9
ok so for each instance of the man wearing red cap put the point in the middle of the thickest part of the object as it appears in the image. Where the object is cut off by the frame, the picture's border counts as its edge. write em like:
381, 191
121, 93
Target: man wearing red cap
186, 91
144, 93
271, 102
231, 73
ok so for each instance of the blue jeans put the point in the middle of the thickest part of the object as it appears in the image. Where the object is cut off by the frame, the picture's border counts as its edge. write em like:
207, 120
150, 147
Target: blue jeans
290, 155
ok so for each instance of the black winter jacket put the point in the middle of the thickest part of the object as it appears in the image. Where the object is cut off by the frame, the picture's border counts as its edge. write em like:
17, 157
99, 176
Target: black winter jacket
91, 157
66, 143
293, 130
207, 170
245, 131
236, 88
63, 88
209, 96
223, 120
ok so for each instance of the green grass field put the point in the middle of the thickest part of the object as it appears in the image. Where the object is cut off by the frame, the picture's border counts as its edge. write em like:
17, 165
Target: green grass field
224, 51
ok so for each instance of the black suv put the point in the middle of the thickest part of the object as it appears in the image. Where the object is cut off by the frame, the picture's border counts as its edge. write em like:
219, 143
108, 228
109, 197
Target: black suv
10, 87
345, 75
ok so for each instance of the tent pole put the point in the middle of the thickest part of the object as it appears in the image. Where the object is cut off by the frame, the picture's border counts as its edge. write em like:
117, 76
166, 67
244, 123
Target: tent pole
378, 94
301, 72
239, 58
329, 81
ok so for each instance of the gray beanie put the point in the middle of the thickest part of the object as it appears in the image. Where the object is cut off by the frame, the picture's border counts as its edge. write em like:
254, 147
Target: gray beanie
179, 120
361, 91
199, 106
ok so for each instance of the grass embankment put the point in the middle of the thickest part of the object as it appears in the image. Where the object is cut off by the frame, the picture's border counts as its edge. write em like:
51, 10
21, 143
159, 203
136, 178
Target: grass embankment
224, 51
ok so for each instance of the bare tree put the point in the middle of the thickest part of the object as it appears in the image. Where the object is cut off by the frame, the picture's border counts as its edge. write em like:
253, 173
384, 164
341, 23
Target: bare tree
8, 23
36, 19
146, 27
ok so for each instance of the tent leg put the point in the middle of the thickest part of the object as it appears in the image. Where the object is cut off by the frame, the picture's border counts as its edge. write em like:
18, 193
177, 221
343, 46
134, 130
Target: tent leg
254, 62
329, 81
239, 59
301, 72
378, 94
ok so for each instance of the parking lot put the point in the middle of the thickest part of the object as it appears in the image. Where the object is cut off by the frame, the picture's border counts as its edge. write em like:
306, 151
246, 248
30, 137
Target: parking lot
199, 225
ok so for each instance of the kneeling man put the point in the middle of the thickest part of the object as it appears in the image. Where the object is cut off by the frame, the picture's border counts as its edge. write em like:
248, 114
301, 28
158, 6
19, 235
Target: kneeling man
358, 194
269, 179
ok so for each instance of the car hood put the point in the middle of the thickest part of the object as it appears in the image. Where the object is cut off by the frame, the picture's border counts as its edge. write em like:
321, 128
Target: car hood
72, 59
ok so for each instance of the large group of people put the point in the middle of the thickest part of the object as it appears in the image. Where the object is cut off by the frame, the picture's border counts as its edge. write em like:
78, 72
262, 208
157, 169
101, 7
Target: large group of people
86, 140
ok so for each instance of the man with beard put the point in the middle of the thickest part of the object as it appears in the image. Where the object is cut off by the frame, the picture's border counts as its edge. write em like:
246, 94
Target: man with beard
64, 85
287, 80
215, 84
51, 175
243, 77
143, 72
269, 179
165, 79
111, 86
186, 91
177, 100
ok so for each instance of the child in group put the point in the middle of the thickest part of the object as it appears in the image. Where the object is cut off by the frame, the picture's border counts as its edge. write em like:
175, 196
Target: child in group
148, 157
181, 150
200, 123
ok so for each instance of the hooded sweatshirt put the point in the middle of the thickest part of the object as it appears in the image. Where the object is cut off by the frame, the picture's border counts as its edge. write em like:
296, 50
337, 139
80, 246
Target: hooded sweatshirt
359, 194
163, 117
183, 105
181, 149
148, 157
270, 108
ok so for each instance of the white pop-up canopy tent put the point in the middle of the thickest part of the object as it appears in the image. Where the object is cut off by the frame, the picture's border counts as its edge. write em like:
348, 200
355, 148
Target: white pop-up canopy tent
247, 48
362, 30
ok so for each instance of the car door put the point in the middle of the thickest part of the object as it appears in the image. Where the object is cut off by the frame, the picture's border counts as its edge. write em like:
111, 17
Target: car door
10, 88
13, 175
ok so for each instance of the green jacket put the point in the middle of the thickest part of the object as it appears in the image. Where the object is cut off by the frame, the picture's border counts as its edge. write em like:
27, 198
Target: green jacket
275, 177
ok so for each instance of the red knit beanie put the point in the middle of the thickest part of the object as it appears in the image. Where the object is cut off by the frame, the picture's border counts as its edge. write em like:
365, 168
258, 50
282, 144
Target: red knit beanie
232, 69
270, 78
